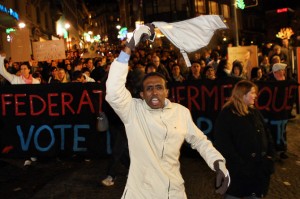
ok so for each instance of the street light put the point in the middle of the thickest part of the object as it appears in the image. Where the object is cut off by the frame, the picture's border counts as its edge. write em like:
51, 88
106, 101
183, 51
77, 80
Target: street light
67, 26
21, 25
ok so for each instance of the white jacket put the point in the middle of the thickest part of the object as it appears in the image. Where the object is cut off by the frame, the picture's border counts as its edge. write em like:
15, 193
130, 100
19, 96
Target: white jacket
155, 137
13, 79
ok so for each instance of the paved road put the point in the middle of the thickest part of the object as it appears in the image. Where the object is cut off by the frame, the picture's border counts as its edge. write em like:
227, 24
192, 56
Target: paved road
75, 178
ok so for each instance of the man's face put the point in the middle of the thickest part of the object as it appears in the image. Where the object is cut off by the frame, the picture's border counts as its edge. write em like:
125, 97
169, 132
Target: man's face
155, 92
196, 68
279, 75
156, 61
90, 64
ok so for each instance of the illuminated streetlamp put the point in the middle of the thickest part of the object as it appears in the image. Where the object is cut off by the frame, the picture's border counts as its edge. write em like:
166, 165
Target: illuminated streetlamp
22, 25
67, 26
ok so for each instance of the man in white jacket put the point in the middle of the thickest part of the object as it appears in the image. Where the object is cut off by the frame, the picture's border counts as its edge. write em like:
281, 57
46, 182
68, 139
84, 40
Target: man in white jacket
156, 129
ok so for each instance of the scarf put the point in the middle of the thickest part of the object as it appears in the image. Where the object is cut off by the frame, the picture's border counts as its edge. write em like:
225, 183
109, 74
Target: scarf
27, 80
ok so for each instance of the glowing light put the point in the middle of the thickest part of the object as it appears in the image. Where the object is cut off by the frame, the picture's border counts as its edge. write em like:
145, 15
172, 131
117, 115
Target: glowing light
240, 4
285, 33
67, 26
9, 30
22, 25
123, 33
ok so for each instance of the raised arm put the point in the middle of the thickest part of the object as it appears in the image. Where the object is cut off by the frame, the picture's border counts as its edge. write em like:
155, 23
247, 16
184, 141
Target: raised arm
9, 77
116, 93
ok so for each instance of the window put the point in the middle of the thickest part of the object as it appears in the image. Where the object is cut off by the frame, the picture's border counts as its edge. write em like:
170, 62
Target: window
225, 10
213, 8
200, 7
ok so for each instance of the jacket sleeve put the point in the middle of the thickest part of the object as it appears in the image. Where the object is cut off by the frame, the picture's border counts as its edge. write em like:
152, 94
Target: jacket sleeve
117, 95
9, 77
269, 139
196, 138
223, 137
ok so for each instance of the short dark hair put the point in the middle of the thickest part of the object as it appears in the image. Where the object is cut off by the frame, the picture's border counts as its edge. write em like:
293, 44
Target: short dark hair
152, 74
76, 74
25, 64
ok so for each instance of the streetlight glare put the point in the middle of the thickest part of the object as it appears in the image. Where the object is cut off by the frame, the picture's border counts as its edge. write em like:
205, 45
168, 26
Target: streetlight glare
67, 25
22, 25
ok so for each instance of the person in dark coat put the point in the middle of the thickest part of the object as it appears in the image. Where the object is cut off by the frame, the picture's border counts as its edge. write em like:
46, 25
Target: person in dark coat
243, 138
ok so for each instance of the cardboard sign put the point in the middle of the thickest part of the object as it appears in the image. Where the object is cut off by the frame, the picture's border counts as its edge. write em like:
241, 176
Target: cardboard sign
246, 54
49, 50
20, 45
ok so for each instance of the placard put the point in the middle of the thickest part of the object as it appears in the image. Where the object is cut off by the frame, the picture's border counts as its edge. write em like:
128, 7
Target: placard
246, 54
49, 50
20, 45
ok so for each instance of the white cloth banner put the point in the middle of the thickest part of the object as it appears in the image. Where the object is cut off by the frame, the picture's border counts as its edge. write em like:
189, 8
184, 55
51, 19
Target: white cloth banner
192, 34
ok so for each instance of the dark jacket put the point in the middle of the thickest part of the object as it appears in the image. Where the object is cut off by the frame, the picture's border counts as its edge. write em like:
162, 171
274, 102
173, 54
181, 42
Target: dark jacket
246, 144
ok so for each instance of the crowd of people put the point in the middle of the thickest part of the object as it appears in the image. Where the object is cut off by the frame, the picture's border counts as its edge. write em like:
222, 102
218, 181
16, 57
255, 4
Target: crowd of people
206, 64
164, 66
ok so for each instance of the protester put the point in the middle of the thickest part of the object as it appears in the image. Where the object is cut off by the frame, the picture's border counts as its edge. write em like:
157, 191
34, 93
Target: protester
237, 70
256, 74
156, 129
244, 139
150, 68
160, 68
63, 75
279, 74
195, 72
77, 76
120, 153
37, 75
24, 78
215, 60
53, 75
223, 70
87, 75
176, 74
209, 73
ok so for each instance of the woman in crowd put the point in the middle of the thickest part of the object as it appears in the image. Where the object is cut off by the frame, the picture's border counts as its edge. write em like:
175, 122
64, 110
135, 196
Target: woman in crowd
53, 75
237, 70
243, 138
24, 78
223, 70
256, 74
209, 73
62, 75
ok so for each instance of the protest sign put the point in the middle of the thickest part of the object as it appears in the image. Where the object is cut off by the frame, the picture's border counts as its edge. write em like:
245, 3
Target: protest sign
49, 50
20, 45
246, 54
